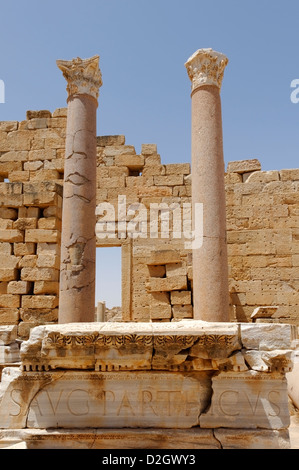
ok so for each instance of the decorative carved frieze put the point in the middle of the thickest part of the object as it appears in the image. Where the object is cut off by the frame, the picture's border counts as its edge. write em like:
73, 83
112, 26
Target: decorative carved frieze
185, 345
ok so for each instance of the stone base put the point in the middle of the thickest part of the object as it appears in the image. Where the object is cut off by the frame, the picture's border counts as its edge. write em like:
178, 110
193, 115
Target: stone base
189, 385
144, 439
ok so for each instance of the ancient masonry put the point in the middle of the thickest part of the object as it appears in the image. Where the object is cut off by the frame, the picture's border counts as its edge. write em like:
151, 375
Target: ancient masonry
207, 332
262, 229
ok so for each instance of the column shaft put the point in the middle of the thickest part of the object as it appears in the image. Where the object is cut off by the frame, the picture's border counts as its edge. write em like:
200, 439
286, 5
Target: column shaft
210, 265
78, 242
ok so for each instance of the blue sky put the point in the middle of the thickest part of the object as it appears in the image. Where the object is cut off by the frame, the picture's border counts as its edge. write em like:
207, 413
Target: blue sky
143, 45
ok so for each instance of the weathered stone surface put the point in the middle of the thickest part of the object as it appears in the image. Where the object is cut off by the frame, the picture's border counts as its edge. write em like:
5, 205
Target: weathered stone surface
267, 336
8, 334
103, 400
248, 400
244, 166
253, 439
110, 439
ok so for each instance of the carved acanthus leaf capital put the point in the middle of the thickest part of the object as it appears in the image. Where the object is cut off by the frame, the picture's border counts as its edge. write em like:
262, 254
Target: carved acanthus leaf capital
83, 76
206, 67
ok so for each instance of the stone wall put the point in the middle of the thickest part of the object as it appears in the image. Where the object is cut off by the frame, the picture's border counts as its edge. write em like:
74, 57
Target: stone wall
262, 223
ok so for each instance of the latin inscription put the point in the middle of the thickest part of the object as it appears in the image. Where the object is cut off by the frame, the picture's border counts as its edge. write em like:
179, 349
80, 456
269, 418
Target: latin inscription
151, 400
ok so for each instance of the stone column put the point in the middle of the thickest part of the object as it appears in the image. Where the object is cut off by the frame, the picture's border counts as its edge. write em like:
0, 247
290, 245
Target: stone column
210, 267
78, 243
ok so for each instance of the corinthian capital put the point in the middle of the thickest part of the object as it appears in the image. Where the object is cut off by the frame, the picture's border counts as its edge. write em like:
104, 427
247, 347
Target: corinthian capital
206, 67
83, 76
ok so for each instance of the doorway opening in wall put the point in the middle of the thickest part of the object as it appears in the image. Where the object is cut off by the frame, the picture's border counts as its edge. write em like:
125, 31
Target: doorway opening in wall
109, 282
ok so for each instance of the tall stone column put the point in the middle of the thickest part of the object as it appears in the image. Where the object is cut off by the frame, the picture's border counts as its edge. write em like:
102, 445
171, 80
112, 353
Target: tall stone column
78, 243
210, 266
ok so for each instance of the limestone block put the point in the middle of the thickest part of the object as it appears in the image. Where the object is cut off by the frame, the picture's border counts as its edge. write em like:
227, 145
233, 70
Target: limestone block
21, 175
9, 316
8, 213
134, 162
289, 175
182, 311
23, 249
47, 248
40, 114
11, 236
113, 171
148, 149
139, 181
3, 287
7, 167
267, 336
48, 261
164, 257
6, 224
153, 159
46, 287
44, 175
42, 154
9, 301
19, 287
175, 269
8, 334
42, 199
8, 126
178, 169
42, 236
39, 301
114, 140
37, 316
169, 180
39, 274
33, 166
113, 182
160, 311
159, 298
9, 261
8, 274
243, 166
247, 400
167, 284
180, 297
59, 112
152, 170
25, 223
263, 177
9, 353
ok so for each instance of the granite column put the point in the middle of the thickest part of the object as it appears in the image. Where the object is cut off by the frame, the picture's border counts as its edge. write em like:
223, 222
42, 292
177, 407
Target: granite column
210, 266
78, 244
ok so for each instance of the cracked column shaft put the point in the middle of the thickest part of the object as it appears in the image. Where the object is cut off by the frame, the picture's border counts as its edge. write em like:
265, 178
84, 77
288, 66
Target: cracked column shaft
78, 242
210, 266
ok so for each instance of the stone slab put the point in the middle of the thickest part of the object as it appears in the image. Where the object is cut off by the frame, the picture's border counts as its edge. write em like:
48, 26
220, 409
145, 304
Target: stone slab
248, 400
109, 439
253, 439
68, 399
